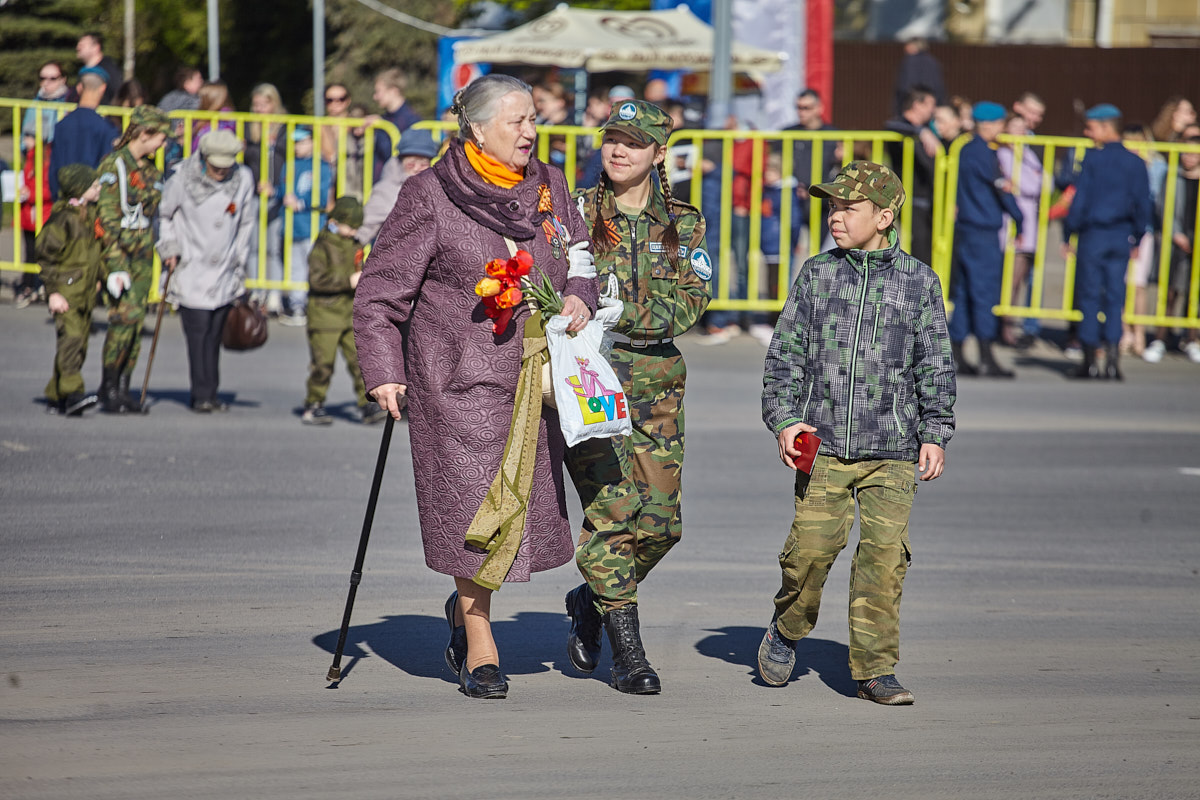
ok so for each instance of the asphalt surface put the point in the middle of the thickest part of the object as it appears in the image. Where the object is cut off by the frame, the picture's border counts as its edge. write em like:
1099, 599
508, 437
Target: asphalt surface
171, 588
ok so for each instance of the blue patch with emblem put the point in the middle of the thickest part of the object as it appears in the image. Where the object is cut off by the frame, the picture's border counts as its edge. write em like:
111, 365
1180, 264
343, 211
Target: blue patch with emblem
702, 264
627, 112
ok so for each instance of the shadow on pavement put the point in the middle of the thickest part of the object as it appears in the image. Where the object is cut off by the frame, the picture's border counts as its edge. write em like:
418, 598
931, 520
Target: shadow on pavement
416, 644
739, 645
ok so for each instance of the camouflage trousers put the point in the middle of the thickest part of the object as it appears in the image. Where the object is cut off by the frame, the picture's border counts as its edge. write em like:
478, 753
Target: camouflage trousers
323, 346
630, 486
72, 328
123, 342
824, 514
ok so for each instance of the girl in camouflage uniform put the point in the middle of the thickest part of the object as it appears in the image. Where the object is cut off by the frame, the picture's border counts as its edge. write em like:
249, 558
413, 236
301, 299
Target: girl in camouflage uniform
130, 191
650, 254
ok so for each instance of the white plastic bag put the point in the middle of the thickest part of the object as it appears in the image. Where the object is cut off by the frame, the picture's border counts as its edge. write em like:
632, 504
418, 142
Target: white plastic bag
591, 403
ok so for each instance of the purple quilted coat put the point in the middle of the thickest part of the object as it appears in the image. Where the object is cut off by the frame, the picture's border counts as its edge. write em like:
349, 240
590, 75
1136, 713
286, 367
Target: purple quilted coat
417, 321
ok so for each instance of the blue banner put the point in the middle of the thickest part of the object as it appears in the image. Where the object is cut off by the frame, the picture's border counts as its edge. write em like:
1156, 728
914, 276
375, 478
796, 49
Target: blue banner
701, 8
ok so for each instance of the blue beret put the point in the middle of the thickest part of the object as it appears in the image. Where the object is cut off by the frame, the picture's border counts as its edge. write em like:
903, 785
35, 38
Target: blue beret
99, 72
987, 111
1103, 111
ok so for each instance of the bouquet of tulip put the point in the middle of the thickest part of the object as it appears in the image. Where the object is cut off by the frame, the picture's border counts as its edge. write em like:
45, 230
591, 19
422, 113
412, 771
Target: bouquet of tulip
508, 282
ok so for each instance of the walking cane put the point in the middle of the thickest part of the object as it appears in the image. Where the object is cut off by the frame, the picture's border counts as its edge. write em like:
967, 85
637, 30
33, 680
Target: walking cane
335, 671
162, 304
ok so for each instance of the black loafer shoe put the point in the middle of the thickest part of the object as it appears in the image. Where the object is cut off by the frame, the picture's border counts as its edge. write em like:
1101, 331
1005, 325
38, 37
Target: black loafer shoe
456, 650
483, 683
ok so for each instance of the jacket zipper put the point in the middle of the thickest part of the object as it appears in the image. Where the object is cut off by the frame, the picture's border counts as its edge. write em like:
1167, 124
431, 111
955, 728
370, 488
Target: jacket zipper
633, 257
807, 400
896, 412
862, 304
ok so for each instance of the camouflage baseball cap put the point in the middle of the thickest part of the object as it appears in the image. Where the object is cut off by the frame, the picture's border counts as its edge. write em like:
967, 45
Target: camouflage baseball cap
864, 180
347, 211
645, 122
150, 118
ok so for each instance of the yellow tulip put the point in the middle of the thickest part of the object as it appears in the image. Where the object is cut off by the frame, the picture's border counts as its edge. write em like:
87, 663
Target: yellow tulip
488, 287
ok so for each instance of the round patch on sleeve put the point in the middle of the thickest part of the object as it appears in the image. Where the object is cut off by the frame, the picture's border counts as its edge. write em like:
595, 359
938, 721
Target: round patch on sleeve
701, 263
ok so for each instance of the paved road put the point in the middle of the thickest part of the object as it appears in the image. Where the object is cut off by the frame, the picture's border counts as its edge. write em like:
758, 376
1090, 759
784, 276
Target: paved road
171, 587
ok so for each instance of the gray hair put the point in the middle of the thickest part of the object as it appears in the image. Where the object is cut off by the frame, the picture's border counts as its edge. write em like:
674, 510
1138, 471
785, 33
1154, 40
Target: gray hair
478, 102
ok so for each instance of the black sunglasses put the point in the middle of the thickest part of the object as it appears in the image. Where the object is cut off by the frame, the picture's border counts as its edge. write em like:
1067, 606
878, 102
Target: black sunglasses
340, 99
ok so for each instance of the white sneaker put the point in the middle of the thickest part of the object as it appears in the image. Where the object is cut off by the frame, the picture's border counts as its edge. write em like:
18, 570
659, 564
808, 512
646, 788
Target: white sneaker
762, 334
1192, 351
293, 320
1154, 352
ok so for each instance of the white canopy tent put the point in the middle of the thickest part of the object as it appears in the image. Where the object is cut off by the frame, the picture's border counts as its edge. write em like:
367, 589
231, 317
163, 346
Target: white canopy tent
609, 41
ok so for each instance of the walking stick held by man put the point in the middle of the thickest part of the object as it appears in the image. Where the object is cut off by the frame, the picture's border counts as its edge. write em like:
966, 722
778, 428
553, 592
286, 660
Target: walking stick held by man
162, 305
335, 671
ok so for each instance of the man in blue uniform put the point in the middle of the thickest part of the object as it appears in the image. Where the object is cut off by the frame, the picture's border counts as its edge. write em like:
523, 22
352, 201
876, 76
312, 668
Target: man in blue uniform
984, 195
1110, 212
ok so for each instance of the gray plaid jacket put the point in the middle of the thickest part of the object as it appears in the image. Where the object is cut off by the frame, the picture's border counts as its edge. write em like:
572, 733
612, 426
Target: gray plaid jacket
861, 353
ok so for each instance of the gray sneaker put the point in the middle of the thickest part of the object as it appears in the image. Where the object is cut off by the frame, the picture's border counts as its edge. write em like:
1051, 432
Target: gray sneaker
885, 690
371, 413
776, 656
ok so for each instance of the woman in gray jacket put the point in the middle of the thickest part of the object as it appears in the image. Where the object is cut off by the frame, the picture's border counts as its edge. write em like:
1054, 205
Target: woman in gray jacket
206, 228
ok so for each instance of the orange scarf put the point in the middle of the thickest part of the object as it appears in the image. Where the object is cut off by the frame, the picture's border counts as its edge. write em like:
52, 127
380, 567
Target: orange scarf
492, 170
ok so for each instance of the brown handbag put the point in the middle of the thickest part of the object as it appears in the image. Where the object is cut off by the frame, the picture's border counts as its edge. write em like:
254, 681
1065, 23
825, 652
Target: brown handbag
246, 326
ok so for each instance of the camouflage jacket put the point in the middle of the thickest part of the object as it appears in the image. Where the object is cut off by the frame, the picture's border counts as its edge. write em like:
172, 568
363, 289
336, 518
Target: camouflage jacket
332, 261
664, 296
68, 252
862, 354
144, 184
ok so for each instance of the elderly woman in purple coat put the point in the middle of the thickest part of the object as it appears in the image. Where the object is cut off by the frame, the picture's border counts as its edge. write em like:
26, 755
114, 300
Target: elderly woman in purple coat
487, 458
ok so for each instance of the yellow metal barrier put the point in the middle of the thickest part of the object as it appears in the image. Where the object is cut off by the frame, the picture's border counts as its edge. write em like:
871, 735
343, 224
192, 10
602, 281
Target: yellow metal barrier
1062, 307
190, 122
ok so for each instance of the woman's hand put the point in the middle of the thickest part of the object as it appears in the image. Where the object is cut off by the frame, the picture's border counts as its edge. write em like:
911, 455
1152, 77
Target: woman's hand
392, 397
578, 311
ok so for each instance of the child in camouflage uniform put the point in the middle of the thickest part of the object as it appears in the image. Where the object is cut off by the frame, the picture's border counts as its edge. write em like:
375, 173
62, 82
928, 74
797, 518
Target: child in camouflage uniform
333, 270
69, 254
650, 254
861, 357
130, 191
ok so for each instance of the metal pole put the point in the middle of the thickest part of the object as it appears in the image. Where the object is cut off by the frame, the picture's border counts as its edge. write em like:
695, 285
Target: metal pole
214, 43
720, 78
128, 65
318, 58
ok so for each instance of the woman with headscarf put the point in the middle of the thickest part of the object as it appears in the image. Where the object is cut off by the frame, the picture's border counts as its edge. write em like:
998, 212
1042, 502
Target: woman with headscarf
487, 457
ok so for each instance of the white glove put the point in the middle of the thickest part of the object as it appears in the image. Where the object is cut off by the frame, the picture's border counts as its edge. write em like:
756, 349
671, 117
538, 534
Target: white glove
117, 283
609, 312
580, 262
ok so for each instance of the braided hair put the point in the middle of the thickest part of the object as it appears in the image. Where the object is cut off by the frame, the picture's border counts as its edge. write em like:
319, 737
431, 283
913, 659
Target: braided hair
670, 237
131, 132
601, 241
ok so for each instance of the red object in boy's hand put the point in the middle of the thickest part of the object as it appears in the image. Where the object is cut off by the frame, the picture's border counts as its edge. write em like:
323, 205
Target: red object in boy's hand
808, 444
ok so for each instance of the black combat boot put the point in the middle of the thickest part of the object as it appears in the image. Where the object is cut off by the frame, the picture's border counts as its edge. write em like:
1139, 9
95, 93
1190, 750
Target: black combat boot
583, 642
631, 672
988, 367
110, 399
1088, 368
961, 367
127, 401
1112, 363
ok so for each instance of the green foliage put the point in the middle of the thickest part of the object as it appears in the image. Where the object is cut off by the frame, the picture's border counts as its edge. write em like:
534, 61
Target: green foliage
363, 42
